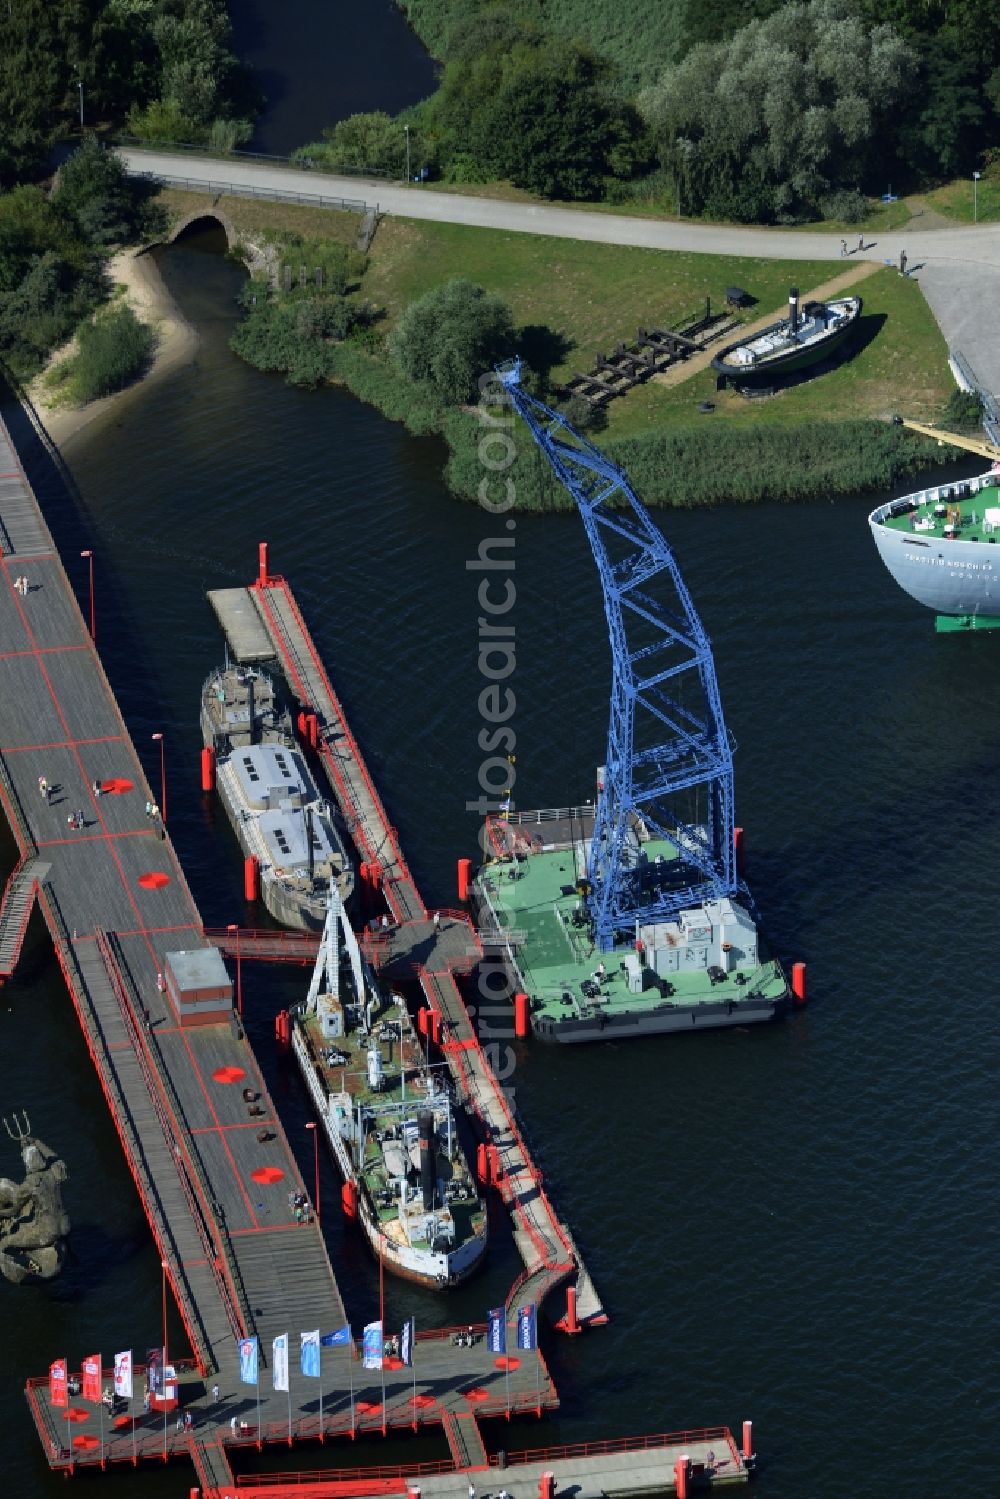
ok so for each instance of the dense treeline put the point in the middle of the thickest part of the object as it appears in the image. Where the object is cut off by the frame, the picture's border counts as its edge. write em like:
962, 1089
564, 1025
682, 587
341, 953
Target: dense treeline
164, 68
752, 110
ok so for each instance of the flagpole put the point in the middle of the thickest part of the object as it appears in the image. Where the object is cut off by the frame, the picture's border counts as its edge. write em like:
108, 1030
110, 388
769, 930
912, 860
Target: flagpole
381, 1321
350, 1373
413, 1366
322, 1433
100, 1372
506, 1357
288, 1392
260, 1445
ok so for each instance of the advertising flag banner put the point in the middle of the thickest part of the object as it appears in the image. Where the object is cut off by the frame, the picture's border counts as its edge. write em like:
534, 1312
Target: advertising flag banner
527, 1326
123, 1374
57, 1382
406, 1340
248, 1360
309, 1353
339, 1339
154, 1370
372, 1346
496, 1330
91, 1371
279, 1364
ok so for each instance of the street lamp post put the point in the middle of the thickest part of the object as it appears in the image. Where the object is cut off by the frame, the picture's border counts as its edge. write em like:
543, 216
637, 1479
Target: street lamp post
311, 1125
163, 1360
407, 129
975, 197
239, 975
163, 781
90, 558
80, 87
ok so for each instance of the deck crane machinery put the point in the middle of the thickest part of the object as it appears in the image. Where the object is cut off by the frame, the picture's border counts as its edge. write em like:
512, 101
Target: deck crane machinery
669, 770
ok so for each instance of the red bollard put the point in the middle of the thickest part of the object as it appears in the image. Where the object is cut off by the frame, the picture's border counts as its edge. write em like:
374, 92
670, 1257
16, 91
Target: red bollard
571, 1322
464, 878
300, 724
194, 1493
262, 578
435, 1023
522, 1011
747, 1440
547, 1486
349, 1200
495, 1168
738, 848
682, 1468
282, 1030
251, 877
312, 729
799, 983
208, 768
423, 1016
482, 1164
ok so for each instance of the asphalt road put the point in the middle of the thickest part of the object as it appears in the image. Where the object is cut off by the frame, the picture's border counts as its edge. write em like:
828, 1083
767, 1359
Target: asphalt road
958, 267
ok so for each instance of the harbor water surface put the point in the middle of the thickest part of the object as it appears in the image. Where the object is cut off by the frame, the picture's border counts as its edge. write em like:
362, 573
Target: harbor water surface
794, 1223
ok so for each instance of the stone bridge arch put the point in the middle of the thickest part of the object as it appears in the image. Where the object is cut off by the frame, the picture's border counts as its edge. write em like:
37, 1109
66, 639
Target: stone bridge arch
208, 212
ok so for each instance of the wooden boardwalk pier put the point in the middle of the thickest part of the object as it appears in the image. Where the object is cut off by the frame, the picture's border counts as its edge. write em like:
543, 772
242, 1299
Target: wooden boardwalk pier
432, 947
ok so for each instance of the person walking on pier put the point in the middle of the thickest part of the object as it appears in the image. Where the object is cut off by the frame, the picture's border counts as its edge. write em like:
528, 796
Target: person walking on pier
215, 1393
437, 921
472, 1490
43, 787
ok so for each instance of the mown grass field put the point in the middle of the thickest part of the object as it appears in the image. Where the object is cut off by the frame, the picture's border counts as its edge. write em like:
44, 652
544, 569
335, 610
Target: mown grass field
958, 201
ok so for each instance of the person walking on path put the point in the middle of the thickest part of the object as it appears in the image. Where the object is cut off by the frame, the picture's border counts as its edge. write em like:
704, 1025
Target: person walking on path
215, 1387
472, 1490
902, 262
234, 1425
843, 247
43, 787
437, 921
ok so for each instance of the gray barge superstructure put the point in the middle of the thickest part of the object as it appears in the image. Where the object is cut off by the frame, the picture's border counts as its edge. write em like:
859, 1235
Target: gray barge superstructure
268, 791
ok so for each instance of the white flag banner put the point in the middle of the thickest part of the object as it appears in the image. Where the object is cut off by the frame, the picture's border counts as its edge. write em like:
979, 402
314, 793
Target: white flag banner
279, 1362
123, 1374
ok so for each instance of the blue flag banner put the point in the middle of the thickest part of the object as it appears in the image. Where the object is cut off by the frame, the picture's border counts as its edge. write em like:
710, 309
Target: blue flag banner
372, 1346
496, 1330
248, 1360
406, 1340
339, 1339
309, 1353
527, 1326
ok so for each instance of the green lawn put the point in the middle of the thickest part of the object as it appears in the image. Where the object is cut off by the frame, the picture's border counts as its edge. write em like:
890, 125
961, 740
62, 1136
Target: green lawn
958, 201
900, 366
591, 296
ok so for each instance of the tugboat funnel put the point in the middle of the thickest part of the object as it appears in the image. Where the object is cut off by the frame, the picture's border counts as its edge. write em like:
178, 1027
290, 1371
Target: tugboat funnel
793, 309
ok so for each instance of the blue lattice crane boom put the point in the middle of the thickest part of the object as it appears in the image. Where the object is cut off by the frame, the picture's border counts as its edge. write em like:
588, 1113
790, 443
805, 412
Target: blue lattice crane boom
669, 770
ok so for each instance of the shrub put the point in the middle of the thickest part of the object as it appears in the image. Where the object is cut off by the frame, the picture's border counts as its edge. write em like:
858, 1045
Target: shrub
448, 338
110, 207
226, 135
963, 411
113, 349
845, 207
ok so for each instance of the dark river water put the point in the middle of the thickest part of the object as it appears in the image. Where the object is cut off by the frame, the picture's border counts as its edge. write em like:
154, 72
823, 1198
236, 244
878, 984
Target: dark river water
795, 1224
317, 61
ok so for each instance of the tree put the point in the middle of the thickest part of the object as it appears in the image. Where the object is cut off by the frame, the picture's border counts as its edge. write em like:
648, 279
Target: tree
96, 190
451, 336
792, 107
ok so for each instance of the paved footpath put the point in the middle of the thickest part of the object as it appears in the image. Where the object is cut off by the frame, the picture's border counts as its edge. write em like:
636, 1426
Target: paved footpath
958, 266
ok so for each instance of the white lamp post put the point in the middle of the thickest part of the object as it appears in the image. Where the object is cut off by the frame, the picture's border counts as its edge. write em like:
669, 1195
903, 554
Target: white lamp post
975, 197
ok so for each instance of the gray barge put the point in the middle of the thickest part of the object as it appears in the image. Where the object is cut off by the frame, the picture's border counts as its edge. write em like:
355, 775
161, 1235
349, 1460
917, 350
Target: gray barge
268, 791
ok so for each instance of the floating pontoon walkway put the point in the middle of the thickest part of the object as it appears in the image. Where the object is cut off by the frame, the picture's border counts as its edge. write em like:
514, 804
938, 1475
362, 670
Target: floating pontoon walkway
430, 947
201, 1136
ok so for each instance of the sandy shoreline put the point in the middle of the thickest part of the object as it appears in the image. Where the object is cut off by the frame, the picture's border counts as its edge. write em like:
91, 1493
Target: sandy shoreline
146, 293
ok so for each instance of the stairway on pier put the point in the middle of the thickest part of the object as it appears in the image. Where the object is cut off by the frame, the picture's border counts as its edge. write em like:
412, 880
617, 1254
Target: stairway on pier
465, 1440
15, 910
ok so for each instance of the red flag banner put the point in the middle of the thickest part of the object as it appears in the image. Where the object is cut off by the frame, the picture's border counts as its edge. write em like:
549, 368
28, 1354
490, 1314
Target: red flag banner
92, 1377
57, 1382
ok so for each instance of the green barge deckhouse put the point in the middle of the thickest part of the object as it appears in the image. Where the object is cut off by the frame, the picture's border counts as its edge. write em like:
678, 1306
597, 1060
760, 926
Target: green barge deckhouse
703, 970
